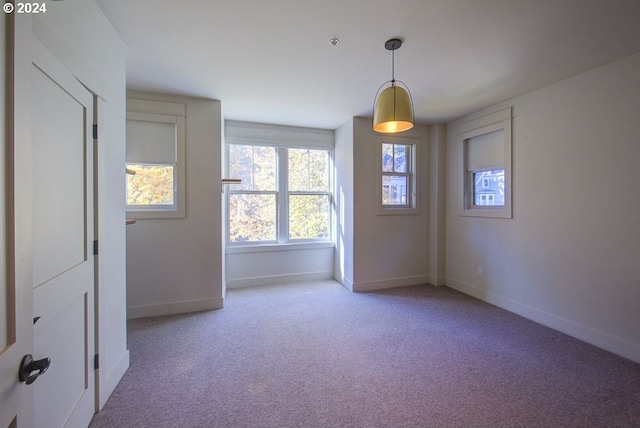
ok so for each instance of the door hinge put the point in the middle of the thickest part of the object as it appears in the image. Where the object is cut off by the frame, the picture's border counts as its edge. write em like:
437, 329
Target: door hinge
95, 131
96, 362
95, 248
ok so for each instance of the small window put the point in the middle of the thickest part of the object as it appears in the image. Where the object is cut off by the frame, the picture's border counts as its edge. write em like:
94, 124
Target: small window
487, 165
155, 160
397, 176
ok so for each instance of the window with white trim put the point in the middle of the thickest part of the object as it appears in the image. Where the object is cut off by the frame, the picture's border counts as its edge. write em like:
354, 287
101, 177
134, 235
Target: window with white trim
285, 191
487, 166
397, 175
155, 185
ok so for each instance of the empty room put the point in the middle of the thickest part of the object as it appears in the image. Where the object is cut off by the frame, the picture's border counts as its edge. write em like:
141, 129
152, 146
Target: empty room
320, 213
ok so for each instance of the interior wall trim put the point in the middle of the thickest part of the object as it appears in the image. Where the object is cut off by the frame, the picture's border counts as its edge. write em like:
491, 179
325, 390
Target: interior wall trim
279, 279
582, 332
174, 308
382, 284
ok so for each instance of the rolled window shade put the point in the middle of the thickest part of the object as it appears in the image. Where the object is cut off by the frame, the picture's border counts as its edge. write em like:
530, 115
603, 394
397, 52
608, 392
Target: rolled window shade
486, 151
151, 142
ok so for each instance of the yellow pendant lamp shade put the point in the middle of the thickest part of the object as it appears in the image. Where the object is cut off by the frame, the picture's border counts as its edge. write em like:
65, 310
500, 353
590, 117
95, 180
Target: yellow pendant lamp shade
393, 111
393, 108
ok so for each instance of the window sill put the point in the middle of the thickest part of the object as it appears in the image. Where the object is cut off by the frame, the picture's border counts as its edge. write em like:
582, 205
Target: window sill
487, 212
265, 248
155, 214
398, 211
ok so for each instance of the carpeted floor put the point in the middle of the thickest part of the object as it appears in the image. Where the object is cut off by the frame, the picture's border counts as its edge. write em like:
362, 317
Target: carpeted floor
316, 355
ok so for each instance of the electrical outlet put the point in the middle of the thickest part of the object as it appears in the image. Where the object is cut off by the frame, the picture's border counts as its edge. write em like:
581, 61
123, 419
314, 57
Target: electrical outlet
480, 271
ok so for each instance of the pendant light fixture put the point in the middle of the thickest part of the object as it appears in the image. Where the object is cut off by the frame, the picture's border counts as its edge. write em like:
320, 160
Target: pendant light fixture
393, 107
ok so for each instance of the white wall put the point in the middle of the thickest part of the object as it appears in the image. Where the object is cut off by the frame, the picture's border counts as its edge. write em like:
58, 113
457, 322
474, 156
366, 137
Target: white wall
94, 53
437, 203
175, 265
569, 257
291, 264
387, 250
344, 164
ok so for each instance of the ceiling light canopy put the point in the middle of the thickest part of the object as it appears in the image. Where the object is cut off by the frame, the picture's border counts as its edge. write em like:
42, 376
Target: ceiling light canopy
393, 107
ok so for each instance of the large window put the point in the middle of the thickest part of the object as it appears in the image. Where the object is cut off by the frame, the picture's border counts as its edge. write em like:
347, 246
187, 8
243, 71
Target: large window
155, 160
397, 176
487, 165
285, 194
284, 197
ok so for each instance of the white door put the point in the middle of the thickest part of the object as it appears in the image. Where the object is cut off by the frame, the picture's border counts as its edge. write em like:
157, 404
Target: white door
63, 259
16, 399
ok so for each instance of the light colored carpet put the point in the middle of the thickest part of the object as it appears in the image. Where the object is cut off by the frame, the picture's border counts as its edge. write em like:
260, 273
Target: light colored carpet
316, 355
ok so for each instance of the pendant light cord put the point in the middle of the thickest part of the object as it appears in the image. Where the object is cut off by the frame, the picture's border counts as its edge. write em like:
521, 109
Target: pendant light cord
393, 67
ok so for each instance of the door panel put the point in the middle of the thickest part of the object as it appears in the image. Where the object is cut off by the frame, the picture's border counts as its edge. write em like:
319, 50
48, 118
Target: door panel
60, 233
63, 266
70, 374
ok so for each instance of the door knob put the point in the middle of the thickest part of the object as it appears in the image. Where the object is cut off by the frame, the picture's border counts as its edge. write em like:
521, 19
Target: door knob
30, 369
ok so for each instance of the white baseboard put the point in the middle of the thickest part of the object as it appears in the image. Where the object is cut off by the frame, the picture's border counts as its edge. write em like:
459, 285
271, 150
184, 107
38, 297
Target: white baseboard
582, 332
278, 279
346, 282
111, 380
173, 308
437, 280
382, 284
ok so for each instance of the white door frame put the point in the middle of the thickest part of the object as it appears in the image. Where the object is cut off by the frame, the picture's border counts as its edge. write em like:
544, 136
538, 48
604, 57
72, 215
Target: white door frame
16, 398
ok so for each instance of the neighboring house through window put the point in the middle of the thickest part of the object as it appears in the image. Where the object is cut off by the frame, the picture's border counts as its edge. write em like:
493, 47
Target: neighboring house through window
397, 175
486, 145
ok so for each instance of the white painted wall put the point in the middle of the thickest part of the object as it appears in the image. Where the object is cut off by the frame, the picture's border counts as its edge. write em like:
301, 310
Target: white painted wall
437, 203
175, 265
94, 53
387, 250
288, 264
344, 164
569, 257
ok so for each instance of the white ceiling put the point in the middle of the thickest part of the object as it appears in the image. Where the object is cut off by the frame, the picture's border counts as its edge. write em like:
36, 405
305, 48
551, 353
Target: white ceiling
270, 61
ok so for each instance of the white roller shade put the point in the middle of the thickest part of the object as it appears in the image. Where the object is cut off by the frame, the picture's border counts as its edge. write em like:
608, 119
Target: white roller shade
486, 151
151, 142
261, 134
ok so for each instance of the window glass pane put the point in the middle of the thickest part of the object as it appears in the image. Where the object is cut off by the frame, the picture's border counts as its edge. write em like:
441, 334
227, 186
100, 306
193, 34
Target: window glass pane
308, 170
394, 190
151, 185
264, 168
252, 217
400, 158
298, 170
318, 170
387, 157
241, 165
308, 216
488, 187
254, 165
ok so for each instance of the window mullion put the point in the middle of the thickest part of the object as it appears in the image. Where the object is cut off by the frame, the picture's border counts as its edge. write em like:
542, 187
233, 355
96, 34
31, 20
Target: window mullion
282, 207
